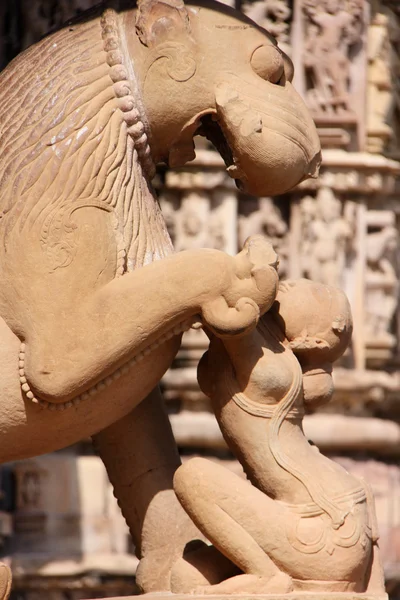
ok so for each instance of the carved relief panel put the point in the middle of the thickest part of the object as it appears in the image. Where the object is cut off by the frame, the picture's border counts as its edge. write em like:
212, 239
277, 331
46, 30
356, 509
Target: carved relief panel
383, 98
323, 228
274, 15
198, 219
67, 520
380, 92
381, 283
200, 207
266, 217
330, 62
349, 244
31, 486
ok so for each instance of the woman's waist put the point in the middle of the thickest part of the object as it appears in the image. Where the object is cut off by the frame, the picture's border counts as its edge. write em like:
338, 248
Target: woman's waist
344, 499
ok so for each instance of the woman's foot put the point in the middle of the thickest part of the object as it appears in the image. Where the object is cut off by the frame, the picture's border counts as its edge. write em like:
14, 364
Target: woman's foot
250, 584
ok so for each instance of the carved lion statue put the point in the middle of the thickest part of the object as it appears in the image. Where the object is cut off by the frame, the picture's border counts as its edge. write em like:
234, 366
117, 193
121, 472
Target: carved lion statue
93, 301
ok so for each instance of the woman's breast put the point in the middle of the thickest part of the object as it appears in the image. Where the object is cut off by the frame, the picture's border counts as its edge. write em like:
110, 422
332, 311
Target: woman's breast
273, 377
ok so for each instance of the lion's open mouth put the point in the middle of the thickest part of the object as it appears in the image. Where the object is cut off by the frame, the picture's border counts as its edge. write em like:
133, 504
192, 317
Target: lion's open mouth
211, 129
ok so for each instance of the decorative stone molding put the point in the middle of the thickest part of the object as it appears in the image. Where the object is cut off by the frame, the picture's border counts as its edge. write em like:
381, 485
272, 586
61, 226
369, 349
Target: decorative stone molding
357, 172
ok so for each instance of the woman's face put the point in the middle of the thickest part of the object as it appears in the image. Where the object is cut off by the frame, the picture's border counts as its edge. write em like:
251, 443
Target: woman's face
317, 316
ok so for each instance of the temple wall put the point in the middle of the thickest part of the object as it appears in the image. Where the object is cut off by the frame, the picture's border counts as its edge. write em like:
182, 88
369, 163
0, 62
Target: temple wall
59, 523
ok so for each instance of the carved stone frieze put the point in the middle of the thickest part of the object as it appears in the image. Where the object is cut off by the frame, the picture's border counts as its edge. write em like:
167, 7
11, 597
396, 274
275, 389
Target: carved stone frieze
264, 216
380, 91
200, 206
358, 173
330, 67
353, 244
68, 520
381, 282
393, 117
201, 219
327, 230
332, 31
30, 518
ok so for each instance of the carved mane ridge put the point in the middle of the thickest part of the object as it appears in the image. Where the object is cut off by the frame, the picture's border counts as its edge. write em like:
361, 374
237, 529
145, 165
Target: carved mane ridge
71, 135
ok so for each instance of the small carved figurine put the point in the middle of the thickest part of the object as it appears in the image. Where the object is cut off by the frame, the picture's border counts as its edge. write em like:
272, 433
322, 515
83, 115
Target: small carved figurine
304, 523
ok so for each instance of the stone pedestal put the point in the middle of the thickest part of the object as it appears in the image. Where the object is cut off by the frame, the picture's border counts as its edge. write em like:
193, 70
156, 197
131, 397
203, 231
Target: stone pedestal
244, 596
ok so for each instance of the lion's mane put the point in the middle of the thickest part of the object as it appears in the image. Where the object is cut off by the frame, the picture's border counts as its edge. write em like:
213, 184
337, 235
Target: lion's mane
64, 143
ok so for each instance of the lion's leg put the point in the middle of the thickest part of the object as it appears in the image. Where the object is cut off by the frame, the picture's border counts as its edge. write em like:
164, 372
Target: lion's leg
79, 341
141, 457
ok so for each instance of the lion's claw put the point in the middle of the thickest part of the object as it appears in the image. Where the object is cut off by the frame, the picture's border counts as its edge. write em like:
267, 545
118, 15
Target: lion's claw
251, 293
225, 321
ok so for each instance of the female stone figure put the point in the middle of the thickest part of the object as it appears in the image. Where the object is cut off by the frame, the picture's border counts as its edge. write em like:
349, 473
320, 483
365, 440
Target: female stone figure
304, 523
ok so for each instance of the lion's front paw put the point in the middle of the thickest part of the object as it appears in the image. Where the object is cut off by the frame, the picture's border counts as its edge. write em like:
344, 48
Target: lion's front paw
250, 292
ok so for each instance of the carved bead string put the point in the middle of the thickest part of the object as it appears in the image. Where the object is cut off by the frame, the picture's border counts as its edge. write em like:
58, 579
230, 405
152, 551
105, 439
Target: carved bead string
107, 381
123, 91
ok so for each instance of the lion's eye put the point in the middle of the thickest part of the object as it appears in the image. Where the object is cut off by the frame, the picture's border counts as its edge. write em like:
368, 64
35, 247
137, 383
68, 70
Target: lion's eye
267, 62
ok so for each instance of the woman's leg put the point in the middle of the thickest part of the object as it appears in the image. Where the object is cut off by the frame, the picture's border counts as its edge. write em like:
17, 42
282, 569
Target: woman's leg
231, 513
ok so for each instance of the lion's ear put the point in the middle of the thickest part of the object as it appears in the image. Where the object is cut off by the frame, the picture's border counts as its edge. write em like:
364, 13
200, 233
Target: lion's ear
158, 20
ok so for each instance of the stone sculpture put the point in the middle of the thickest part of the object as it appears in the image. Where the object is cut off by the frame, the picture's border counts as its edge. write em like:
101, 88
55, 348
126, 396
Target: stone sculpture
304, 523
92, 301
326, 234
273, 16
382, 283
333, 27
266, 219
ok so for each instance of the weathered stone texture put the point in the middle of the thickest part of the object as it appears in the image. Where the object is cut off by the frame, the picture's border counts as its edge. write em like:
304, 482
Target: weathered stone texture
342, 229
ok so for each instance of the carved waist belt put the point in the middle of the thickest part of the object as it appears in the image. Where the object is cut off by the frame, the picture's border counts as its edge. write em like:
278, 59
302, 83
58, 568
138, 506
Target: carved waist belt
311, 509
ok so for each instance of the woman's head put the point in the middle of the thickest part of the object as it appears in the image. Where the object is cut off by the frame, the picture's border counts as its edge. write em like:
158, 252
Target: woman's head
316, 320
